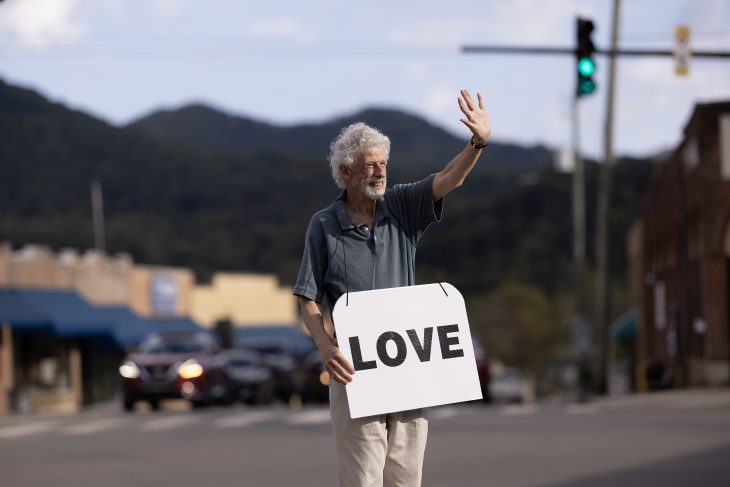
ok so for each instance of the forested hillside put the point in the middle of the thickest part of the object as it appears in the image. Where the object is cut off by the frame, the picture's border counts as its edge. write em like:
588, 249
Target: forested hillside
239, 202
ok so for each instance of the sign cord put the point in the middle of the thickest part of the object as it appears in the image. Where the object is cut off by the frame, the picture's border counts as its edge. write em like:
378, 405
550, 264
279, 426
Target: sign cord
414, 249
344, 255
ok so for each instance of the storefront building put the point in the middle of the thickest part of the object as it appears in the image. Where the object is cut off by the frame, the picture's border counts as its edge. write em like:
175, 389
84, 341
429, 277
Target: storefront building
679, 254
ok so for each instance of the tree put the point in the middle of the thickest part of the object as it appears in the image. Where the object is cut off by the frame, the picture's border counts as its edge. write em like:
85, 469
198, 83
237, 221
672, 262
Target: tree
519, 325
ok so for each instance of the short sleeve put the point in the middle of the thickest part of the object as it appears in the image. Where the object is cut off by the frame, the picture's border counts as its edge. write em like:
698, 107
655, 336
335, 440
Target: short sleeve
310, 279
414, 207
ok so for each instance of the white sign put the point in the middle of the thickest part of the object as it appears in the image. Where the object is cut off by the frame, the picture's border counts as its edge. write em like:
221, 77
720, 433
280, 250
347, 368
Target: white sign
699, 325
410, 346
164, 291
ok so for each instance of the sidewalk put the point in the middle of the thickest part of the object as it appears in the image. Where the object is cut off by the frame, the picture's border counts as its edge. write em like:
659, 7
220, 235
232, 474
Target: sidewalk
672, 399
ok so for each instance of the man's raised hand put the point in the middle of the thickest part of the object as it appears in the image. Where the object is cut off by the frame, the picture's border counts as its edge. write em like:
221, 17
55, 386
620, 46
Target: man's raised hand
476, 118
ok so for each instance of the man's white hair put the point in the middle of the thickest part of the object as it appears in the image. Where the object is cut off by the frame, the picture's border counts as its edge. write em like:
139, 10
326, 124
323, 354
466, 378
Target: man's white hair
346, 149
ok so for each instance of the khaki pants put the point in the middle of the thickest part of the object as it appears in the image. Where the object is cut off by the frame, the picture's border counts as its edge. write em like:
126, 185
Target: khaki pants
385, 450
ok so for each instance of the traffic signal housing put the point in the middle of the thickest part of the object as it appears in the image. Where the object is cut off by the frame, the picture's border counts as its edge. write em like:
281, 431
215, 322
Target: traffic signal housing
585, 65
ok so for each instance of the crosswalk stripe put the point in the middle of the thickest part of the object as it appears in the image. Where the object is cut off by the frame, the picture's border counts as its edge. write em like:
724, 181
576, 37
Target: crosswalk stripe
243, 420
581, 409
520, 410
310, 417
167, 423
442, 413
27, 429
93, 426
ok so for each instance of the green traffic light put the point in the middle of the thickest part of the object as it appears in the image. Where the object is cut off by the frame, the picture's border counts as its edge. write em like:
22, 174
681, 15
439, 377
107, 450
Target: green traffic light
586, 66
586, 87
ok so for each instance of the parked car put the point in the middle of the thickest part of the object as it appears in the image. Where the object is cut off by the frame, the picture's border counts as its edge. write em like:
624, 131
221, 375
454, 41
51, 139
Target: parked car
482, 369
507, 385
174, 365
281, 359
315, 385
249, 379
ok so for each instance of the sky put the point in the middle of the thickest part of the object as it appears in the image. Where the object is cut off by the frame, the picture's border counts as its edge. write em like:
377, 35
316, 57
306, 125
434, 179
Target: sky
288, 62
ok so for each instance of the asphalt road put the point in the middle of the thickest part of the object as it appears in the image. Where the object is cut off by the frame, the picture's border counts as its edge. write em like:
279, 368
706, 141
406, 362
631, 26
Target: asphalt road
671, 440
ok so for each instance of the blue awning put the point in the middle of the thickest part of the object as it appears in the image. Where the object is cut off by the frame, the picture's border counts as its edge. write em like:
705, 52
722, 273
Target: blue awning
20, 314
129, 328
624, 328
66, 314
70, 314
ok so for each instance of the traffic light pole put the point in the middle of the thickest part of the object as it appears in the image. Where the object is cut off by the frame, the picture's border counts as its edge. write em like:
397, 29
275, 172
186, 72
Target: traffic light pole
582, 350
579, 212
602, 316
572, 51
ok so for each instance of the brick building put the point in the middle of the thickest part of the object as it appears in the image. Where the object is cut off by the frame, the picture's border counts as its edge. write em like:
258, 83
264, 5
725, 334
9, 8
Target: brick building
679, 253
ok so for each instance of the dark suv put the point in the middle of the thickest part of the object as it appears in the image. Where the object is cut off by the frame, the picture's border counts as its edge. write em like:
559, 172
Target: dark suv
279, 356
174, 365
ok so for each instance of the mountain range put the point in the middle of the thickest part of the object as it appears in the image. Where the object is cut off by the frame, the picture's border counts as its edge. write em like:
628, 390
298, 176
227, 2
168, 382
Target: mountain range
417, 144
213, 191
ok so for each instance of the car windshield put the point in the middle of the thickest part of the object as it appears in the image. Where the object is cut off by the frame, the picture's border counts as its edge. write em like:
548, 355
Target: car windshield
172, 344
509, 374
268, 349
241, 363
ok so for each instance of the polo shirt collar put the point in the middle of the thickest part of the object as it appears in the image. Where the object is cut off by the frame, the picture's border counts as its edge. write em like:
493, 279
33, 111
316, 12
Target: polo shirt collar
343, 215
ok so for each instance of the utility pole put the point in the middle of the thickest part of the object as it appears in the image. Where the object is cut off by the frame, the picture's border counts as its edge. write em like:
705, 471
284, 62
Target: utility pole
604, 192
97, 210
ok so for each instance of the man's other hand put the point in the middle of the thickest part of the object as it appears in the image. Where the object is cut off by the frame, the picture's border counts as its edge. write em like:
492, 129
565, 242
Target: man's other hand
336, 364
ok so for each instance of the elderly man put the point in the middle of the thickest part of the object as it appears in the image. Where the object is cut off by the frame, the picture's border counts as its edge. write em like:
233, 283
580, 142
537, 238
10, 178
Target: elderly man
365, 240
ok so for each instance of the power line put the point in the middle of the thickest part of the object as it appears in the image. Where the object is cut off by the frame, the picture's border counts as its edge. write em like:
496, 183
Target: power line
664, 35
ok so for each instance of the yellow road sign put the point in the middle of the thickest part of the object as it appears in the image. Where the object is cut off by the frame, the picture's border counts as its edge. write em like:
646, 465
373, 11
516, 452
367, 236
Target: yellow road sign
682, 54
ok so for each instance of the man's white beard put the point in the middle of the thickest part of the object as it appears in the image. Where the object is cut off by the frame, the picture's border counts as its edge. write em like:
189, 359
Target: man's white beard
372, 192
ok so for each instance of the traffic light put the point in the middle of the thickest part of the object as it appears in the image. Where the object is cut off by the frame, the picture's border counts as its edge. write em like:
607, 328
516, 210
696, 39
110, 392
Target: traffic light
585, 66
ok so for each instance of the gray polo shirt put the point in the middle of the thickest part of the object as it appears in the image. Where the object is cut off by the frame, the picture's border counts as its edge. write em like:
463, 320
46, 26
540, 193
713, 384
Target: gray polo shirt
339, 255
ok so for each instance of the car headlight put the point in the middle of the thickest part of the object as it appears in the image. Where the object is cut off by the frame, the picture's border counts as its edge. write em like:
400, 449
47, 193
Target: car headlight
129, 370
190, 369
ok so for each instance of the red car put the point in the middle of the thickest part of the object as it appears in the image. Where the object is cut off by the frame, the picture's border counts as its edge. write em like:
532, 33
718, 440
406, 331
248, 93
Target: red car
483, 369
174, 365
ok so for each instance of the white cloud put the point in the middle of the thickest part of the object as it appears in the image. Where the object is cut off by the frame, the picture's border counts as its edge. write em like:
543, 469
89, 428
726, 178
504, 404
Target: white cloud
438, 32
170, 9
282, 29
439, 100
658, 76
535, 22
521, 22
649, 71
709, 15
711, 81
415, 71
39, 23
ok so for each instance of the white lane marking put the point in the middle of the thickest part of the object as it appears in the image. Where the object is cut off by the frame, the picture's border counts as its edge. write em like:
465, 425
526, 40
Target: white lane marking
581, 409
93, 426
520, 410
442, 413
243, 420
27, 429
310, 417
167, 423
